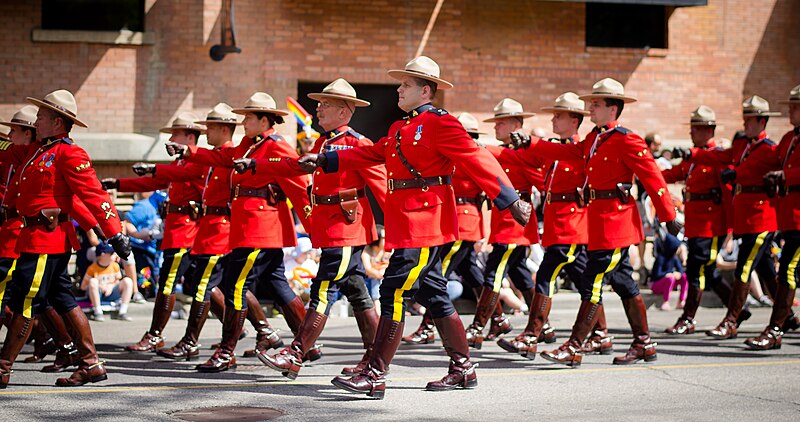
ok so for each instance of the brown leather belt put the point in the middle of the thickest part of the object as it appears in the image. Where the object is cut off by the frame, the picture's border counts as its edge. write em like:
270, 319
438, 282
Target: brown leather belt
563, 197
524, 195
793, 188
216, 210
273, 193
692, 196
464, 200
178, 209
333, 199
603, 194
9, 213
422, 183
41, 220
749, 189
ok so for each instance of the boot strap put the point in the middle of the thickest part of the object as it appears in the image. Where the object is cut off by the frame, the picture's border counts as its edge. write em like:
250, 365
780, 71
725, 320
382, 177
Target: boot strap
99, 363
650, 346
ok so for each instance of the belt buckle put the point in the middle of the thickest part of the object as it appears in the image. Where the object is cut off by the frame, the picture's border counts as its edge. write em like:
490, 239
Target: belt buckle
547, 197
424, 186
25, 221
390, 184
314, 199
204, 209
738, 189
592, 194
236, 191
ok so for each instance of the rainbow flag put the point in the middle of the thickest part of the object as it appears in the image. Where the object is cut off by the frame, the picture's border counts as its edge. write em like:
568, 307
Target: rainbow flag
300, 114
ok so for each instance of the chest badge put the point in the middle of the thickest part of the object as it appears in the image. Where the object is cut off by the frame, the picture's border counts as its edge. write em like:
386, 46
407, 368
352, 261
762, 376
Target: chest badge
47, 160
418, 135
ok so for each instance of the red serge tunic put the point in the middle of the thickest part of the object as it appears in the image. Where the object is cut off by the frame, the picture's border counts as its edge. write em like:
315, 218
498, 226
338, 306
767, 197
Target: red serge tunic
753, 212
704, 217
564, 222
329, 228
470, 217
617, 155
789, 205
255, 222
504, 229
55, 175
213, 234
179, 230
432, 142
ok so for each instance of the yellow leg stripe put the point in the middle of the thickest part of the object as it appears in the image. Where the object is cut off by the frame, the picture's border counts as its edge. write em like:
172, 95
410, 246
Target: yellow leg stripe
748, 265
597, 286
35, 285
792, 270
712, 261
397, 310
201, 287
449, 256
238, 294
323, 297
501, 268
4, 283
570, 260
173, 271
347, 254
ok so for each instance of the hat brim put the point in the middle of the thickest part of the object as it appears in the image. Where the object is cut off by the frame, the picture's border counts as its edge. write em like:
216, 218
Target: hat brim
565, 110
626, 99
765, 114
220, 122
323, 95
506, 116
260, 110
40, 103
17, 124
699, 123
171, 128
440, 83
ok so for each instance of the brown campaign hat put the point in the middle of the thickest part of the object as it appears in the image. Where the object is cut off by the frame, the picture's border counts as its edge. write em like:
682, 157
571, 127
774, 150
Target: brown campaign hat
470, 123
341, 90
608, 88
794, 96
184, 121
703, 116
221, 113
25, 117
568, 102
260, 102
757, 106
422, 67
62, 102
508, 107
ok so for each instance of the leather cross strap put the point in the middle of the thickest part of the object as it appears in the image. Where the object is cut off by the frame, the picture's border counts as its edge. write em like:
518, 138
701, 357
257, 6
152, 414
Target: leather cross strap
334, 199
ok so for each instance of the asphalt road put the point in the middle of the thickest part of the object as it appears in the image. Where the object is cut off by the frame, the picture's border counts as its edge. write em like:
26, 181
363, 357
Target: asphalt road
694, 378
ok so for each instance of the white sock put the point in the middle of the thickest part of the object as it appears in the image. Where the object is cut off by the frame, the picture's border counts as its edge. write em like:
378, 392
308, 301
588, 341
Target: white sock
123, 308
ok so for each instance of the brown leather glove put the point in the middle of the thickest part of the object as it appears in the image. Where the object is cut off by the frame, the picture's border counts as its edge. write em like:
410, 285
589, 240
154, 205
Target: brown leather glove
241, 165
674, 227
110, 183
176, 149
521, 211
310, 162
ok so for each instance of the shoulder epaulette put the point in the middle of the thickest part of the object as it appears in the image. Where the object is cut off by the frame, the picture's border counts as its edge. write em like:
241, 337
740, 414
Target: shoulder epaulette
355, 134
769, 142
739, 134
622, 130
438, 111
4, 145
275, 137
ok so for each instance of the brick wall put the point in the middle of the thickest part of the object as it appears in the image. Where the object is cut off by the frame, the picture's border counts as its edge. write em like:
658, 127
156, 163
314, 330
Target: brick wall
530, 50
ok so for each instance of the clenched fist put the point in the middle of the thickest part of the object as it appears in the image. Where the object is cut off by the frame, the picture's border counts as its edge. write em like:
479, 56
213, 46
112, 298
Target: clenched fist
176, 149
241, 165
521, 211
142, 169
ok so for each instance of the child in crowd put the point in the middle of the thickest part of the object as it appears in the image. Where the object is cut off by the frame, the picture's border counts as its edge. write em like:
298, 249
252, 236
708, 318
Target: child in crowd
103, 281
668, 270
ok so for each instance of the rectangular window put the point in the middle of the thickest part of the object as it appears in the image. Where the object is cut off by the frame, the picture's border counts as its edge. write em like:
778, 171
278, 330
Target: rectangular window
626, 25
93, 15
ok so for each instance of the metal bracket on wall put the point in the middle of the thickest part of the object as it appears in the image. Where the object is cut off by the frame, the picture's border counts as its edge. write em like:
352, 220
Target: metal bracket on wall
227, 36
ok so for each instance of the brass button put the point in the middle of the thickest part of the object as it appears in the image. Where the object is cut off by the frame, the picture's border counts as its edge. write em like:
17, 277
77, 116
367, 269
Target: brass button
216, 177
393, 154
224, 220
566, 168
590, 169
605, 158
619, 207
466, 211
572, 209
709, 208
188, 220
391, 173
261, 207
507, 170
317, 188
425, 204
414, 143
24, 178
760, 202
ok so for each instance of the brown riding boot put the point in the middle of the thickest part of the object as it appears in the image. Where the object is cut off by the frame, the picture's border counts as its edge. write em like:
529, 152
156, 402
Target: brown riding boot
642, 348
686, 322
43, 343
727, 328
500, 324
266, 336
218, 309
368, 325
371, 381
152, 339
19, 329
290, 359
772, 336
425, 334
90, 367
570, 353
599, 342
188, 348
486, 306
66, 352
294, 312
461, 372
224, 357
526, 343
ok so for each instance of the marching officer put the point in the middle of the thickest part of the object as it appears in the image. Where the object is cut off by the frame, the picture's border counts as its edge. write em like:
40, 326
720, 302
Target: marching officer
786, 183
752, 155
261, 222
708, 206
419, 152
460, 255
510, 241
612, 155
565, 229
50, 180
180, 225
342, 224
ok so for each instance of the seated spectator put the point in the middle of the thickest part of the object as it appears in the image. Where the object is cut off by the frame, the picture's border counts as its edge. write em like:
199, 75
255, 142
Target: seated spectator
104, 281
668, 272
300, 267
